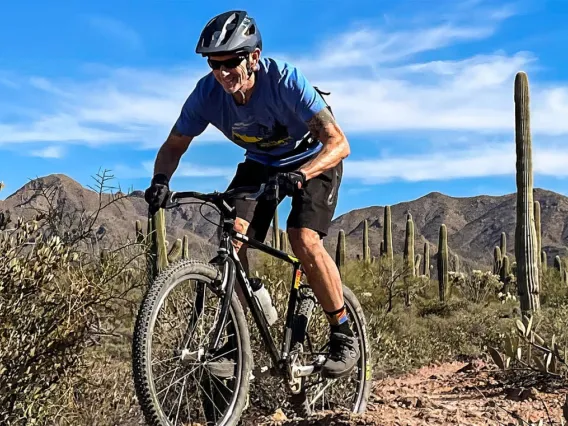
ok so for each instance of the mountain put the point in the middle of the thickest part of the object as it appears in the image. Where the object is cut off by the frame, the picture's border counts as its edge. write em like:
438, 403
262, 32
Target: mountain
474, 223
114, 221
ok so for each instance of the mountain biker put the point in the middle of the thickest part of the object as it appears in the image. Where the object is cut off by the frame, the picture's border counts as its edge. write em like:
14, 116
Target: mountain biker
267, 106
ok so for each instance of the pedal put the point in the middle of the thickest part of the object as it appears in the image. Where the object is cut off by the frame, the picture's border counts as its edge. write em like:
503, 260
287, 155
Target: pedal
264, 371
307, 370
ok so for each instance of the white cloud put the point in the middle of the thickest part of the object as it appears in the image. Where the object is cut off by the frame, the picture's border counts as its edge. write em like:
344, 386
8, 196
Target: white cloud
121, 106
116, 30
49, 152
481, 161
377, 79
366, 47
183, 170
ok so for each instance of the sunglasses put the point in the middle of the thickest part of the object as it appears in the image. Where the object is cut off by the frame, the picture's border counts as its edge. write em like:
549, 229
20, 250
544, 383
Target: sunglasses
227, 63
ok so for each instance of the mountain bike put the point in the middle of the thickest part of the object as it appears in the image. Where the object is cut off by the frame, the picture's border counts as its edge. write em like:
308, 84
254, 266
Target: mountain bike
175, 370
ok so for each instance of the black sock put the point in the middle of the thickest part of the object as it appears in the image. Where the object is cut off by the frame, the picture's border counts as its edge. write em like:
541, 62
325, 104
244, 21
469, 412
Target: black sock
338, 321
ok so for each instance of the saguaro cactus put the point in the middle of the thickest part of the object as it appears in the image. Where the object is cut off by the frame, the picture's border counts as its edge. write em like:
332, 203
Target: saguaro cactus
543, 261
340, 250
537, 228
157, 254
503, 244
417, 261
504, 274
426, 264
456, 262
185, 248
275, 231
526, 248
560, 268
409, 245
442, 259
366, 250
497, 259
387, 234
284, 243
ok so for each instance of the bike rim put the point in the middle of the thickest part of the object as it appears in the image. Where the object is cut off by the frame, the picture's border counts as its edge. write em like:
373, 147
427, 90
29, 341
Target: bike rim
154, 393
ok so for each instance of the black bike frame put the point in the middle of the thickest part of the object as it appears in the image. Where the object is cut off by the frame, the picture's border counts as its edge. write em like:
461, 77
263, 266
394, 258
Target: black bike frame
236, 272
229, 262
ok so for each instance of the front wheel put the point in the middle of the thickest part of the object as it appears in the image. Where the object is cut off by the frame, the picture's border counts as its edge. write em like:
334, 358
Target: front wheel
311, 330
176, 381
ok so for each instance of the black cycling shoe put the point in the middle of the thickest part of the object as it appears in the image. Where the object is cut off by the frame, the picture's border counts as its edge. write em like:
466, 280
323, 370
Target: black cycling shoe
343, 356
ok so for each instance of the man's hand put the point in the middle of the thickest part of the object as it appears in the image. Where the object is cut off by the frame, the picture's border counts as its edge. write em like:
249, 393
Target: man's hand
156, 194
291, 182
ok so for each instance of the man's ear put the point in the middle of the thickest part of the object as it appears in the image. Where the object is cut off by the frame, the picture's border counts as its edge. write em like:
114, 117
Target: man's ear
255, 57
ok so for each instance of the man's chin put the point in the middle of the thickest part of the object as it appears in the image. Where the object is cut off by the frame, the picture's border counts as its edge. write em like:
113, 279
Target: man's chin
231, 89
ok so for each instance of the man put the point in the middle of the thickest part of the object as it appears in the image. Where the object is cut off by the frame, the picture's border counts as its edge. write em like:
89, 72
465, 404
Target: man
267, 106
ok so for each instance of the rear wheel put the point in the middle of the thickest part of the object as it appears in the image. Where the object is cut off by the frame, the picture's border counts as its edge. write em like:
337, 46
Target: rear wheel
176, 383
349, 393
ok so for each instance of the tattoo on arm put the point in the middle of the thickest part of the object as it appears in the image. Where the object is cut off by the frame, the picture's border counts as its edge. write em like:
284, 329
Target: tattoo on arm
323, 125
335, 146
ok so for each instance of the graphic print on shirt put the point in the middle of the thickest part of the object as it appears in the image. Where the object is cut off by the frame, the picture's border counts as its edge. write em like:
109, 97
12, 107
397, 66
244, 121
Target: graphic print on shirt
264, 137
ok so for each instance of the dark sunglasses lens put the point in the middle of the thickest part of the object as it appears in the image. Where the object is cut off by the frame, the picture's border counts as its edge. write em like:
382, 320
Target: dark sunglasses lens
229, 63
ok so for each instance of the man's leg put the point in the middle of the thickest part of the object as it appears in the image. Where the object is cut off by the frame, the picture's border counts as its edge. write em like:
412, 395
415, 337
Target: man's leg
310, 218
242, 226
321, 270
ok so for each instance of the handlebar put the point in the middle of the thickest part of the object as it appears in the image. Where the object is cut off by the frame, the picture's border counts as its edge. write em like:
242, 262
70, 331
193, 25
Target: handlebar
266, 191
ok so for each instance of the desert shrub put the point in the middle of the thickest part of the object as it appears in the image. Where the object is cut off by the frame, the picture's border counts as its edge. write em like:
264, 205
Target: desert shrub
553, 291
477, 287
58, 301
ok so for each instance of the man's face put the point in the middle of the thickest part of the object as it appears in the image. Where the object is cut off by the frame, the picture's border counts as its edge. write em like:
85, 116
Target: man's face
231, 70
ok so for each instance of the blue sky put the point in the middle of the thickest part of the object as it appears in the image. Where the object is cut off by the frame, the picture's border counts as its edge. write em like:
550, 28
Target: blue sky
423, 90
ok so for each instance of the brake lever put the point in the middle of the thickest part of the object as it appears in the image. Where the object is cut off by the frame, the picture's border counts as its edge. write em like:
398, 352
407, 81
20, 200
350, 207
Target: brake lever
169, 199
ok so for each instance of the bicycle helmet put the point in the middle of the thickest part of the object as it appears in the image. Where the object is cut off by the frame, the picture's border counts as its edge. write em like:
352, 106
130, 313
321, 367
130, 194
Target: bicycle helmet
230, 32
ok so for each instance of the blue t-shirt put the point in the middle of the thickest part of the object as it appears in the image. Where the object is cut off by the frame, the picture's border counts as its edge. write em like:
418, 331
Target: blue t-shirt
269, 125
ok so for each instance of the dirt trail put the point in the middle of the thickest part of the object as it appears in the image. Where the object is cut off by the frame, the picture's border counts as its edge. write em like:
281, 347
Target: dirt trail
457, 393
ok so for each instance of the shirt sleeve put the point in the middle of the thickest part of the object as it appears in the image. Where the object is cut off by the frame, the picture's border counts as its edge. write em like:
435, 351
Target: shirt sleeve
191, 121
300, 96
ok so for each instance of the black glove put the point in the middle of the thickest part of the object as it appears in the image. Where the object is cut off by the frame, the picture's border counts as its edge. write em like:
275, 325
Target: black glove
156, 194
288, 182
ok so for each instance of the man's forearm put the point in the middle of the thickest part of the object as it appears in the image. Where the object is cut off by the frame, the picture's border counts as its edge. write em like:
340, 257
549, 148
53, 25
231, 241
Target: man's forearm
167, 160
332, 153
335, 146
169, 154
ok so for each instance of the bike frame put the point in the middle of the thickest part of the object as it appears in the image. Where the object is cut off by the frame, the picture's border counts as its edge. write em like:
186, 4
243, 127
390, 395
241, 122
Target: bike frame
236, 273
233, 271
